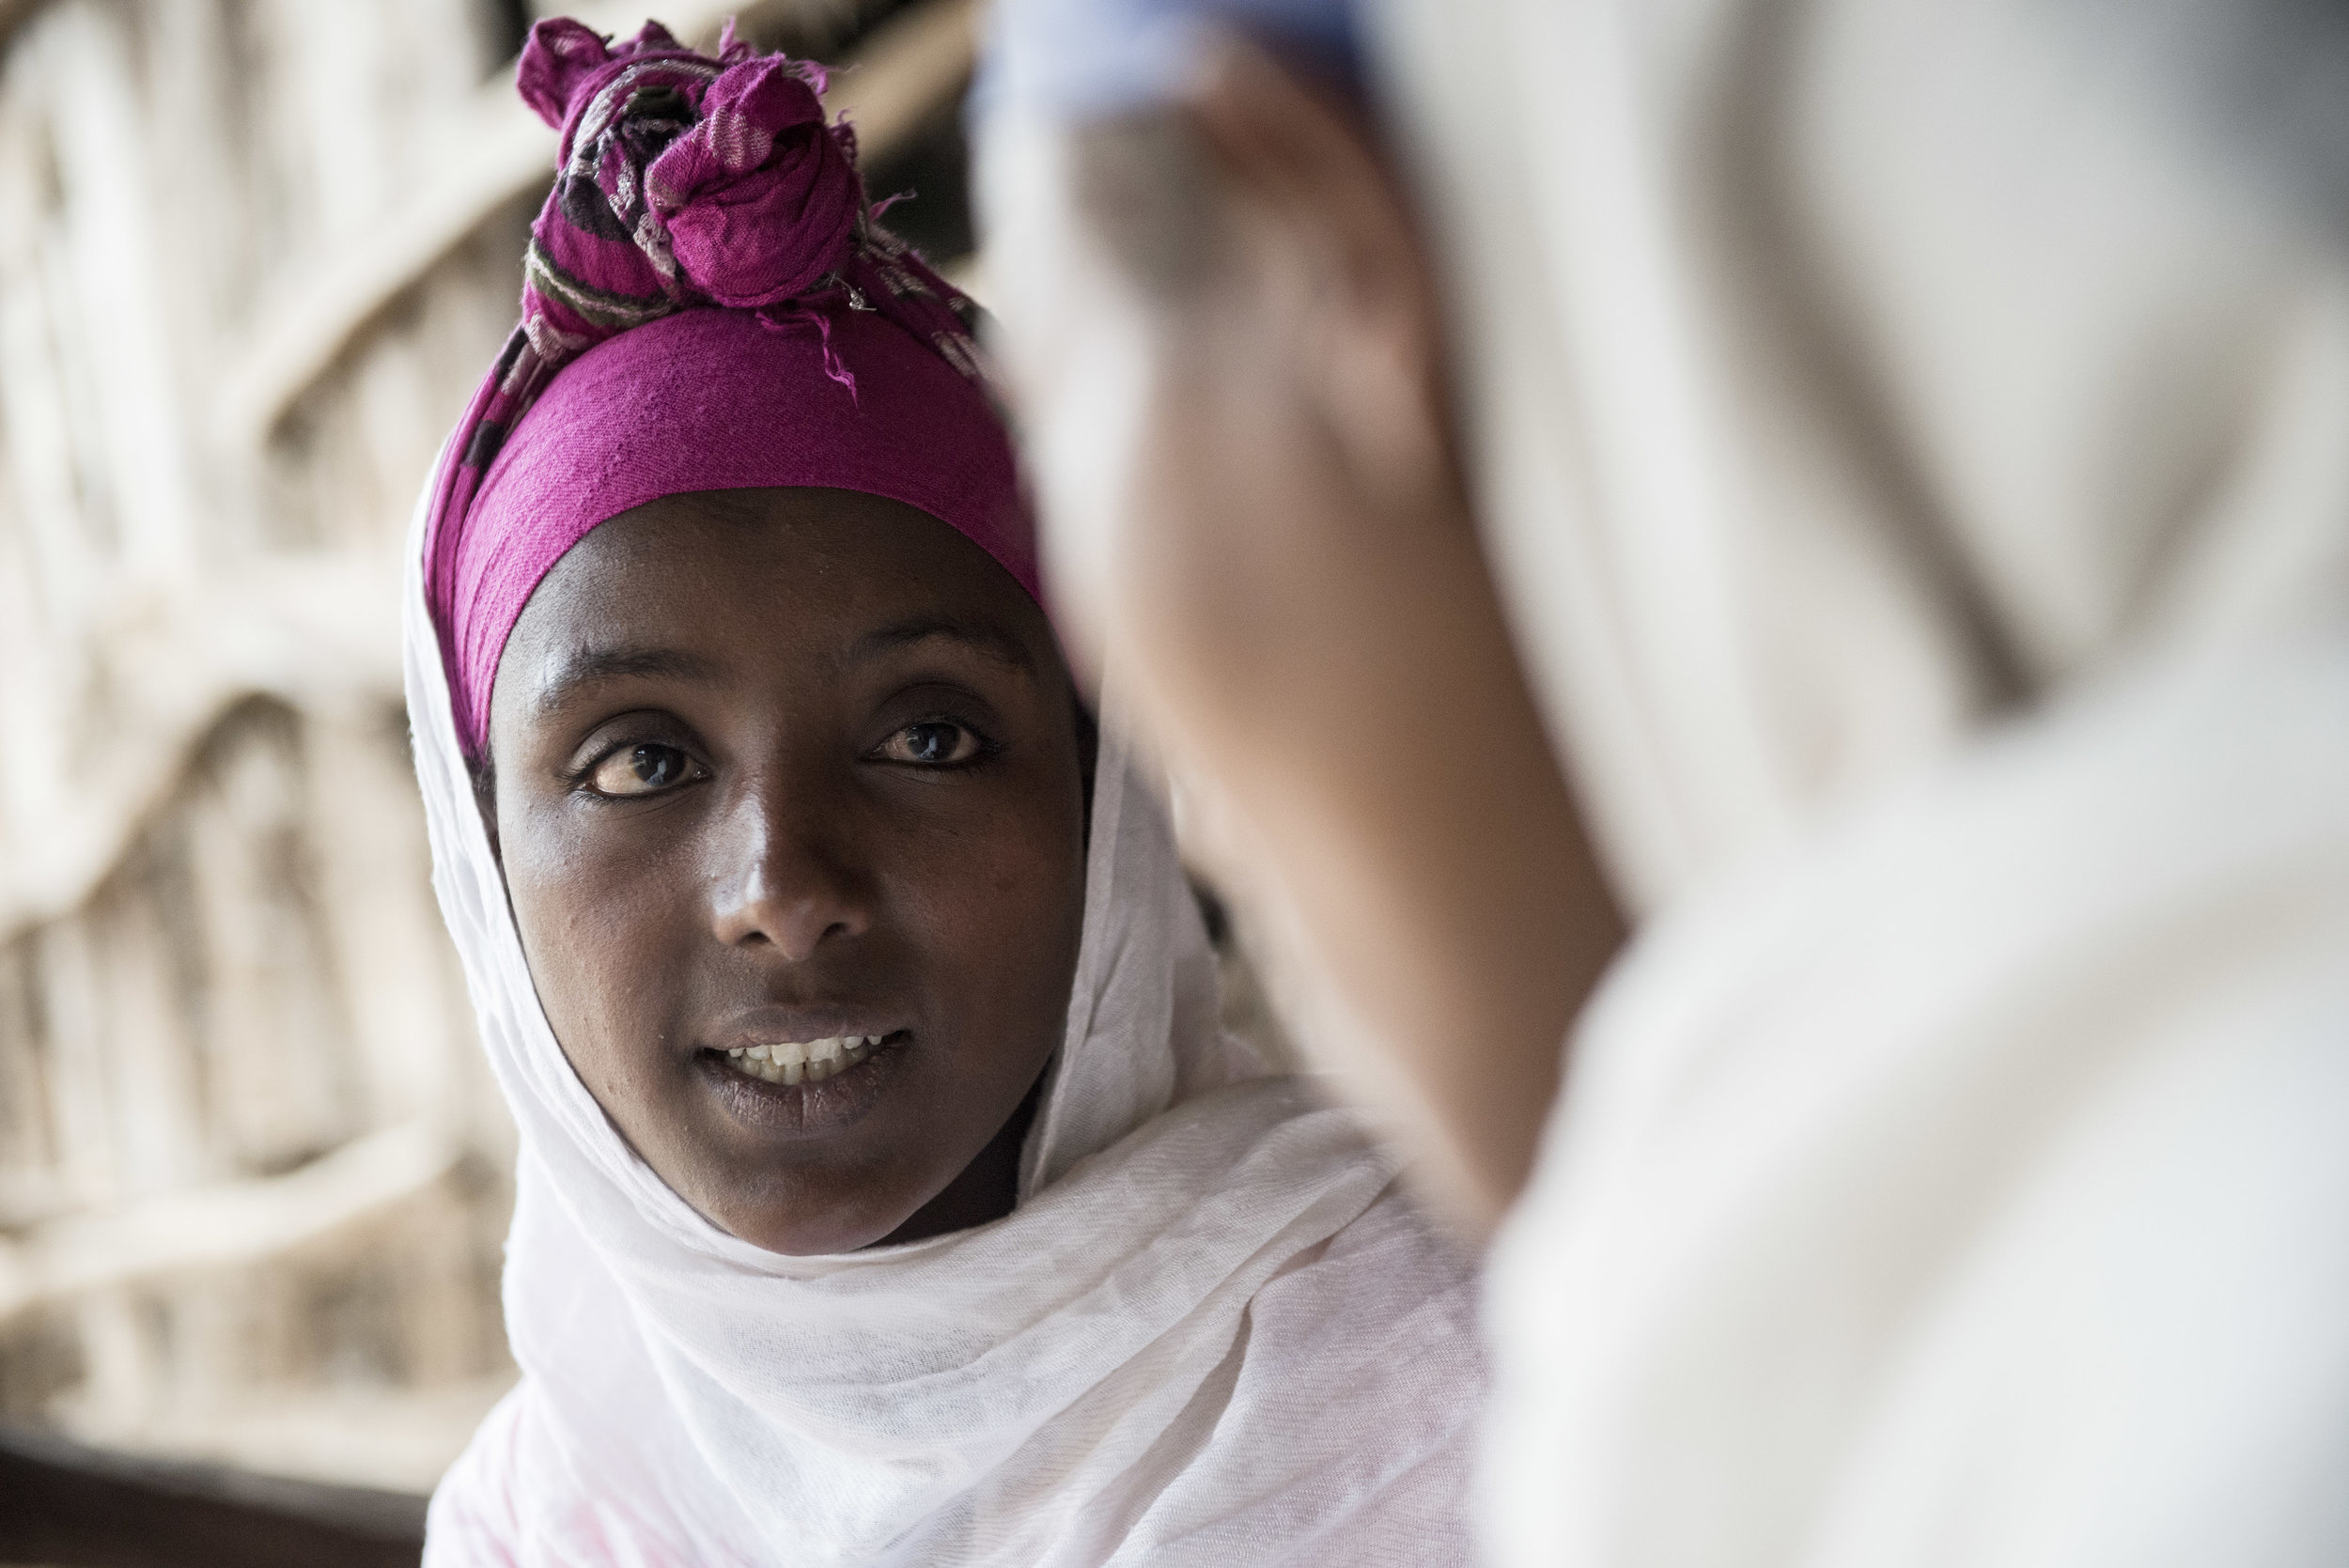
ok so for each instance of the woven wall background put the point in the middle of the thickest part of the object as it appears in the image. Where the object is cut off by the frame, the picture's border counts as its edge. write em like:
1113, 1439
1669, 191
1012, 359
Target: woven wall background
253, 255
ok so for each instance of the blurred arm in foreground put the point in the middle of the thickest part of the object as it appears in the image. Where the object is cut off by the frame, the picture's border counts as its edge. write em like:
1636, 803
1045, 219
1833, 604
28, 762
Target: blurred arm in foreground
1260, 521
1907, 440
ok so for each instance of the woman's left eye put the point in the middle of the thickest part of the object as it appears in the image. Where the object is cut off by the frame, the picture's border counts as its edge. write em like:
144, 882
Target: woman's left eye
932, 743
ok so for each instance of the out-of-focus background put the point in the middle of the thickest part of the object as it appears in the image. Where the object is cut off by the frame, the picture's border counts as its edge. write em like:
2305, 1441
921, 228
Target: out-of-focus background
253, 257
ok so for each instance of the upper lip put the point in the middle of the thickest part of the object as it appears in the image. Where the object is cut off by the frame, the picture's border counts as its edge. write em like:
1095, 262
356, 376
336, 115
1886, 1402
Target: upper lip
771, 1026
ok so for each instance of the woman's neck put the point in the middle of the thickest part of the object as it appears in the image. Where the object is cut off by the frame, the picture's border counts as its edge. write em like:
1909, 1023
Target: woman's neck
987, 1189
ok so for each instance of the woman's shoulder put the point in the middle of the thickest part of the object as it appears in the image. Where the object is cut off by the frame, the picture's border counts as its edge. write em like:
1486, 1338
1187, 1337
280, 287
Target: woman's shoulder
1347, 1433
1388, 1291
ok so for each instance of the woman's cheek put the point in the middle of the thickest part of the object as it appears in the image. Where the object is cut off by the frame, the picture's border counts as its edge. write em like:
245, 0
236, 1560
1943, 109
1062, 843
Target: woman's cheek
600, 927
1005, 930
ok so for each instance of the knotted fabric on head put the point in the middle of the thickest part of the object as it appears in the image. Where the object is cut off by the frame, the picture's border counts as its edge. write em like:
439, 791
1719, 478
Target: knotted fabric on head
708, 303
682, 179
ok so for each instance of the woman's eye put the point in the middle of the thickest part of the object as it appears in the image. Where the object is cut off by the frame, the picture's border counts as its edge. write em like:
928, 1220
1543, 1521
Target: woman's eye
933, 743
641, 770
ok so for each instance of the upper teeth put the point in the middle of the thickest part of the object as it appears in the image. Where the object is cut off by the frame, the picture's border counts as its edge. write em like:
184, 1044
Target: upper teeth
812, 1059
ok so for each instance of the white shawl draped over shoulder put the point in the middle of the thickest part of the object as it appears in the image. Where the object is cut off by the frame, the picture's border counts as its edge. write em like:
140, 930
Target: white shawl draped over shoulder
1918, 458
1212, 1332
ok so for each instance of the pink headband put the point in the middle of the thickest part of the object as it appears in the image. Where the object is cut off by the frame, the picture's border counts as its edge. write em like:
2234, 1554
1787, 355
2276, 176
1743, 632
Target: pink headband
723, 314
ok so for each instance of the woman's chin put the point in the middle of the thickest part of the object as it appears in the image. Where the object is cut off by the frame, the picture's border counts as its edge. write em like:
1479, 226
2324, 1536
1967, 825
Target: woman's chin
815, 1231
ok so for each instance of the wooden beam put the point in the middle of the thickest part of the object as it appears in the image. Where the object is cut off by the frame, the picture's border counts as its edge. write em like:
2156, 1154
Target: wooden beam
909, 67
15, 14
315, 633
73, 1506
913, 64
225, 1225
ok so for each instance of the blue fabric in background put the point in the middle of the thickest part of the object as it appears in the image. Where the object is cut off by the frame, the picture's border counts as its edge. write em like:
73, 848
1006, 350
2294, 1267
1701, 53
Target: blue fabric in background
1083, 59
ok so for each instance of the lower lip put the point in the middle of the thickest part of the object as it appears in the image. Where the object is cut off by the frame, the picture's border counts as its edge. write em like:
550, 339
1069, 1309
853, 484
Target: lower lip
807, 1109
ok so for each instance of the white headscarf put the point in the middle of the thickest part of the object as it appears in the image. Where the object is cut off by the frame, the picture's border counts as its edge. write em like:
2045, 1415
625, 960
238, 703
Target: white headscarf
1921, 478
1211, 1332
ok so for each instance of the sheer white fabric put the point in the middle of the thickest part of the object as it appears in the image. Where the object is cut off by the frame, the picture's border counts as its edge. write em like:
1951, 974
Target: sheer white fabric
1916, 461
1212, 1332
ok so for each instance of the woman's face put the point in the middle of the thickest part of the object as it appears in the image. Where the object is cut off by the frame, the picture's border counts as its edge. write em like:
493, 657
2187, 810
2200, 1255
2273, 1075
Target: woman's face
791, 805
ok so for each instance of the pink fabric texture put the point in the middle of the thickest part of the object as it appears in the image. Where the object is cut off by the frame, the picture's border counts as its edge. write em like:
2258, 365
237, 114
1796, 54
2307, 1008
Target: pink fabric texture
707, 305
682, 178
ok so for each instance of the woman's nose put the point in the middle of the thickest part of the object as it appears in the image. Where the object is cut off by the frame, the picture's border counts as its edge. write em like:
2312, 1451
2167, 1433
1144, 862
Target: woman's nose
783, 875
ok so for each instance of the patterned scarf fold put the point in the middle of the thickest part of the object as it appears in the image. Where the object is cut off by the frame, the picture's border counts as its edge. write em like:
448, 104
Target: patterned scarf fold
687, 182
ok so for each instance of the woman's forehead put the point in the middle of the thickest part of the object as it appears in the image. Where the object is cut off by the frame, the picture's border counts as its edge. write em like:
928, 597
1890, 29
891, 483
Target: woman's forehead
696, 585
812, 552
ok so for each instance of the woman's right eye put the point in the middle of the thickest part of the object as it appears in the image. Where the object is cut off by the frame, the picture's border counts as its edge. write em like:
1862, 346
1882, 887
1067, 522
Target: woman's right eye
645, 770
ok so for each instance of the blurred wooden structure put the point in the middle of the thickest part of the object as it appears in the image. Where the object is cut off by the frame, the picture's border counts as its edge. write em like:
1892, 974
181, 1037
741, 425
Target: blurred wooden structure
71, 1506
257, 253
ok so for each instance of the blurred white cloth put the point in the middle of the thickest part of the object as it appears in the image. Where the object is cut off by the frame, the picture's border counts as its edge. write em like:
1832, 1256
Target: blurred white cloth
1212, 1332
1971, 1186
1919, 462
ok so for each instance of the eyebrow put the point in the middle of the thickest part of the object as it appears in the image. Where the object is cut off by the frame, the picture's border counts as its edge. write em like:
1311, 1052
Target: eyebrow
588, 666
989, 642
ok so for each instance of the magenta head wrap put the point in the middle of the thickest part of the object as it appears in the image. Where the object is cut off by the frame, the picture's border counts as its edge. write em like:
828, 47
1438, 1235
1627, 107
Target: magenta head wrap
707, 305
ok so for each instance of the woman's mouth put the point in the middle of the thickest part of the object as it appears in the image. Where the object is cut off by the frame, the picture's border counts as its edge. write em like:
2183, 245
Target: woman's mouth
802, 1088
792, 1062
